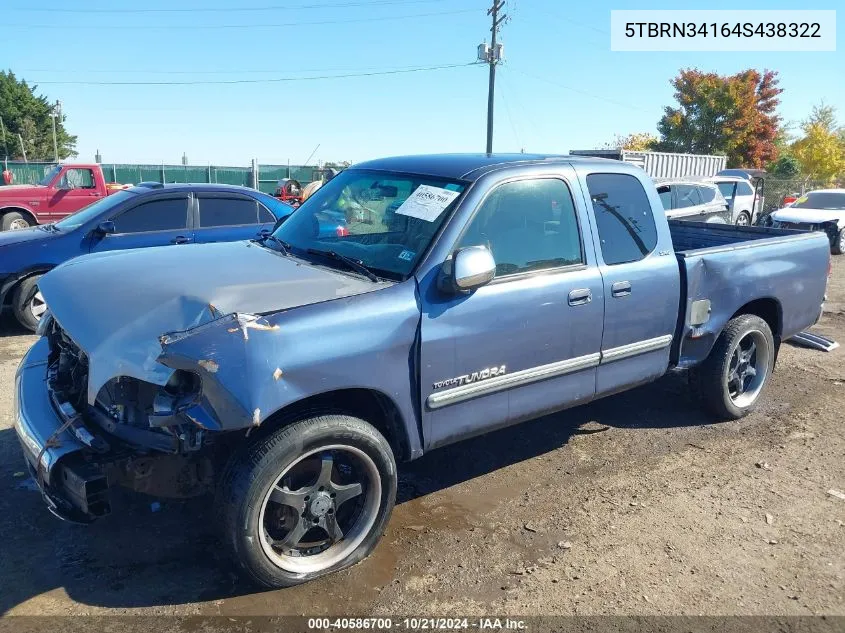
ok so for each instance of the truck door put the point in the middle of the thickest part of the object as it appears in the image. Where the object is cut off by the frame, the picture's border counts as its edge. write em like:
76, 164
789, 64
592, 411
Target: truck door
73, 189
641, 281
528, 342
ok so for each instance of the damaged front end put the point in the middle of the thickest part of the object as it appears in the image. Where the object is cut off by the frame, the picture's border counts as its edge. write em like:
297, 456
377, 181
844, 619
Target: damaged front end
136, 434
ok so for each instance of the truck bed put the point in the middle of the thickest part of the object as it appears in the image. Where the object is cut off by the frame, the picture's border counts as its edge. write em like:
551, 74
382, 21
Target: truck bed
693, 237
781, 271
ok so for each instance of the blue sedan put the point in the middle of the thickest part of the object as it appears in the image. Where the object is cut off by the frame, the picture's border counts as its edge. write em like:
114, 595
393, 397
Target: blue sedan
146, 215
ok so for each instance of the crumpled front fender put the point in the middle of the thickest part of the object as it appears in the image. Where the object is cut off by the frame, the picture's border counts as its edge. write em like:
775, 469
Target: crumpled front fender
219, 352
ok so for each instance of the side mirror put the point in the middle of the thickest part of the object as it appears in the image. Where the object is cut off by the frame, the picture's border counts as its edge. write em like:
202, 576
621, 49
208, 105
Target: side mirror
104, 228
471, 268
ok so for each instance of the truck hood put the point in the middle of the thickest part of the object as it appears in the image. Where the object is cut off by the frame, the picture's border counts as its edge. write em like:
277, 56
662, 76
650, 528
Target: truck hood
19, 191
809, 216
117, 305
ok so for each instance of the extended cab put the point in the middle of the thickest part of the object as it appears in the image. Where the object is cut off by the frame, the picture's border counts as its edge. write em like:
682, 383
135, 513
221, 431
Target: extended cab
290, 376
65, 189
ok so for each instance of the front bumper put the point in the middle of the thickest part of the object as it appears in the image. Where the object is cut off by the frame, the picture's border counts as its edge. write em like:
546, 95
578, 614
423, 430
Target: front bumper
72, 487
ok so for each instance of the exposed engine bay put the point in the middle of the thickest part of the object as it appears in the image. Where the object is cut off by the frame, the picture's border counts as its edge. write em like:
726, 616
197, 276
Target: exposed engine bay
137, 433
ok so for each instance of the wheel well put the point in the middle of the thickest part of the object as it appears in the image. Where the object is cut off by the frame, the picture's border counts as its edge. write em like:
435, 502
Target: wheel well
29, 216
369, 405
8, 291
767, 309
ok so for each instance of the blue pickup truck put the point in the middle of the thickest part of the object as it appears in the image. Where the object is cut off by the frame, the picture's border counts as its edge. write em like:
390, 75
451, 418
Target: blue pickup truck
467, 293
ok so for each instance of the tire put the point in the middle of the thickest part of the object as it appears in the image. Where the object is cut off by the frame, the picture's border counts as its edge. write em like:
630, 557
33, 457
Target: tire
838, 246
28, 304
14, 221
743, 219
730, 394
263, 483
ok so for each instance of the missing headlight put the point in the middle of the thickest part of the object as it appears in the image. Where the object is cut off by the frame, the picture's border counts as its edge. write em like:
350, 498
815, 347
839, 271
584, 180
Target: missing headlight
181, 391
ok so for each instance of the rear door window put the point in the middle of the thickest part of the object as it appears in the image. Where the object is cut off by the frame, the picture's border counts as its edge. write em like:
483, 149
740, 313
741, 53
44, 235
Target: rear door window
708, 194
687, 196
744, 189
624, 218
227, 211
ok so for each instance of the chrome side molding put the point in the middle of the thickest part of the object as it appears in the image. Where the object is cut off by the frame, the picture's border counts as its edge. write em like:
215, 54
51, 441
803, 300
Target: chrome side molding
542, 372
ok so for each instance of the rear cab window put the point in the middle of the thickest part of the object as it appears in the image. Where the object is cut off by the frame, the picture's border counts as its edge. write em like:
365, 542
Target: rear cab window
624, 217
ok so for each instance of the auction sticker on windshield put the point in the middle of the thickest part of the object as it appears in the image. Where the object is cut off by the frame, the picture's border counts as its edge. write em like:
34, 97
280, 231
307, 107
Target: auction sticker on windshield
427, 202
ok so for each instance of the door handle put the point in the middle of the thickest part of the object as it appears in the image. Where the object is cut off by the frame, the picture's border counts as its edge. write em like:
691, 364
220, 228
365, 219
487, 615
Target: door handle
180, 239
621, 289
580, 297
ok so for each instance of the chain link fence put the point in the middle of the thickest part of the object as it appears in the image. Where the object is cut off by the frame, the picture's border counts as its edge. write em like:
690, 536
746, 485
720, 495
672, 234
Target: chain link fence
262, 177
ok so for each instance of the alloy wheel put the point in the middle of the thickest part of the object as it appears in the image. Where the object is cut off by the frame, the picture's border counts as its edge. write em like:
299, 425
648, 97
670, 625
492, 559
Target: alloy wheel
320, 509
37, 305
748, 368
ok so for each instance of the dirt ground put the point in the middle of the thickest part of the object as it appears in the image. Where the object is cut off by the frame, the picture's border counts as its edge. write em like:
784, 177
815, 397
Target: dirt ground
632, 505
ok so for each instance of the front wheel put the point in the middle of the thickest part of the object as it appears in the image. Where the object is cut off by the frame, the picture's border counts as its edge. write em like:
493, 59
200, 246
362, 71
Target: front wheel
14, 221
732, 377
838, 246
310, 499
28, 304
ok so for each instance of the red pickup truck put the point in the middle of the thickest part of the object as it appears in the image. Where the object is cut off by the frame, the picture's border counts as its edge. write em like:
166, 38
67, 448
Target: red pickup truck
65, 189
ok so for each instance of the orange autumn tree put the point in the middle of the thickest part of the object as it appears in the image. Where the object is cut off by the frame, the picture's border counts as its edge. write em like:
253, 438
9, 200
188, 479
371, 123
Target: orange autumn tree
735, 115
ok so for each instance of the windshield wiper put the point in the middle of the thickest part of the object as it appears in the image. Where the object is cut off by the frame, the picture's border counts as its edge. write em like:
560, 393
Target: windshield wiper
52, 228
355, 264
285, 246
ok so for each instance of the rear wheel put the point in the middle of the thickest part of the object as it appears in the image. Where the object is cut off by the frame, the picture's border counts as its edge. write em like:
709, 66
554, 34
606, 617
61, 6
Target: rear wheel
28, 304
307, 500
14, 221
743, 219
838, 246
732, 377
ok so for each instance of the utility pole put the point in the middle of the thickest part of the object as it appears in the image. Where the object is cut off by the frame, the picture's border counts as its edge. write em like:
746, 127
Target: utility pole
492, 56
23, 149
56, 111
3, 129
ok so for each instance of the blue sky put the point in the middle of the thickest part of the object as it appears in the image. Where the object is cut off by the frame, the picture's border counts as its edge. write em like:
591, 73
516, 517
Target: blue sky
560, 88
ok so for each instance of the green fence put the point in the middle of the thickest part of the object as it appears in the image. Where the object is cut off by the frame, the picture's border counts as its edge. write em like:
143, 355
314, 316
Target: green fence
268, 175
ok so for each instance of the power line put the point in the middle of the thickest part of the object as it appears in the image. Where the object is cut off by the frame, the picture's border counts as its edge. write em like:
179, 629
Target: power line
255, 81
627, 105
245, 71
274, 7
182, 27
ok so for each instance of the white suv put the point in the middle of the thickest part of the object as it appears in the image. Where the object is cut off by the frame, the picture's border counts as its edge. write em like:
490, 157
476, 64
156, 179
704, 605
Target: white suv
740, 196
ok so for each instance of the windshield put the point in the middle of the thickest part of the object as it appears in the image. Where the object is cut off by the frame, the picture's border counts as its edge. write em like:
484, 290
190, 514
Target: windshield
821, 200
48, 177
93, 210
385, 220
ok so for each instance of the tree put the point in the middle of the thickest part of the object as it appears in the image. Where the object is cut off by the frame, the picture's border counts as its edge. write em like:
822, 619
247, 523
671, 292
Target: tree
733, 115
25, 113
821, 151
786, 167
636, 142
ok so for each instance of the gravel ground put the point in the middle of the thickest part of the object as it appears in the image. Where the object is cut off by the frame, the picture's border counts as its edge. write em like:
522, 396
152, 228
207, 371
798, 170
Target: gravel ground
631, 505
